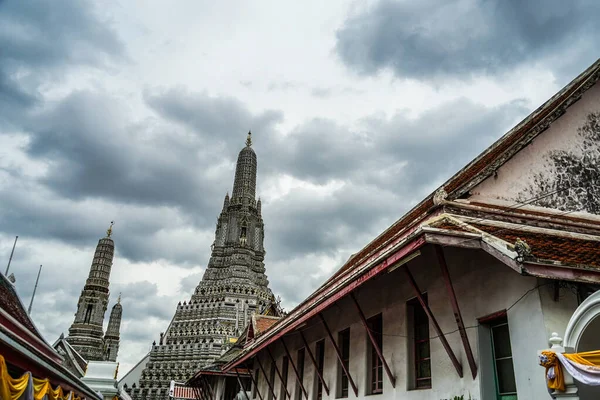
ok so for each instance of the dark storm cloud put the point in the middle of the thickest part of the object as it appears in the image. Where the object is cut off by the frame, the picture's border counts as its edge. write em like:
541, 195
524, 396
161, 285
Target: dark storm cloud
218, 120
142, 233
40, 40
437, 38
94, 151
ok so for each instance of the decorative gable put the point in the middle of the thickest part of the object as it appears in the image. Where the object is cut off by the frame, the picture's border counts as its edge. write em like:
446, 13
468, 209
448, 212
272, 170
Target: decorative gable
559, 169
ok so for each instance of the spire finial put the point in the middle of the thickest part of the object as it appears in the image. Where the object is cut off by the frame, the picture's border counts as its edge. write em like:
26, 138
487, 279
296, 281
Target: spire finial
119, 299
249, 139
109, 230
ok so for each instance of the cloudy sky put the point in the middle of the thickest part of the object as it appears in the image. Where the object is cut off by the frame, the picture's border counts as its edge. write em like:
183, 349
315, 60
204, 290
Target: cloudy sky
135, 112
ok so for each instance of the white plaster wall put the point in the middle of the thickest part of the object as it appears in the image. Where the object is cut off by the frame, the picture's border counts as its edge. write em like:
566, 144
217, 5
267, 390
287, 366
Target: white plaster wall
514, 177
483, 286
556, 313
134, 375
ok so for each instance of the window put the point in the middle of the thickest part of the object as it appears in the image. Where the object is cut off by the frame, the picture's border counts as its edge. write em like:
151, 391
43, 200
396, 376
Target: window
272, 380
300, 365
375, 370
344, 345
88, 314
320, 350
506, 388
255, 383
284, 378
419, 331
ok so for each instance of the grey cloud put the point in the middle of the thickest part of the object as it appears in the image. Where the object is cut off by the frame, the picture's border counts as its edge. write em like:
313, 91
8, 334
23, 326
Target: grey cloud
436, 38
396, 151
40, 40
141, 234
94, 151
320, 224
42, 34
220, 120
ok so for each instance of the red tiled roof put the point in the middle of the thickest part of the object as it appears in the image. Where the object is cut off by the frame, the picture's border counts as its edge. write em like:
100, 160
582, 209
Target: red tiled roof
538, 213
183, 392
567, 250
9, 302
263, 323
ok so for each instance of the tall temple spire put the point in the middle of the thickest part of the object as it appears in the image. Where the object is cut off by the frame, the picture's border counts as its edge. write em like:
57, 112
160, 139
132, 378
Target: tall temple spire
244, 184
86, 332
234, 286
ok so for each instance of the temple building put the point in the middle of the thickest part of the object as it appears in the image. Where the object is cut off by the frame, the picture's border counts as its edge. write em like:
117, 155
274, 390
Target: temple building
489, 288
86, 340
233, 288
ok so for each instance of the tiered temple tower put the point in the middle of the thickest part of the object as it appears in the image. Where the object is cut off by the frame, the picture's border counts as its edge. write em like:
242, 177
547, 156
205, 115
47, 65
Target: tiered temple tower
86, 334
233, 287
112, 336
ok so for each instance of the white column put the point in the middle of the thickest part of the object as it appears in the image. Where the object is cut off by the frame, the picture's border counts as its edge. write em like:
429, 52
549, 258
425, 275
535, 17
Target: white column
571, 390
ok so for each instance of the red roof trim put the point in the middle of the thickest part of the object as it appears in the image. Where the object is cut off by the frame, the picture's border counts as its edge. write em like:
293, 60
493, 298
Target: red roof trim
328, 301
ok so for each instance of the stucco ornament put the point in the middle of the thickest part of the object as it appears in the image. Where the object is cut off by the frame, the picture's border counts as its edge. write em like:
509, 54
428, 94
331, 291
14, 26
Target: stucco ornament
439, 196
522, 249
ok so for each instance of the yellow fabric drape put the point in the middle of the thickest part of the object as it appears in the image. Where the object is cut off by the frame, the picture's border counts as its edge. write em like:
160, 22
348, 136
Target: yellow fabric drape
549, 360
13, 388
591, 358
558, 382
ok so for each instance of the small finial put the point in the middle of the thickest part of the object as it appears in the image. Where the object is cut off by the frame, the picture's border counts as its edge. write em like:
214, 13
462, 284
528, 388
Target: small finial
109, 231
119, 299
555, 340
249, 139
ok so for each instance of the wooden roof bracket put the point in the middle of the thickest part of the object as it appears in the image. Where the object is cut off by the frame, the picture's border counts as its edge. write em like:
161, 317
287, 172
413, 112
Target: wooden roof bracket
433, 321
278, 372
237, 375
255, 385
339, 355
296, 372
312, 358
373, 342
269, 383
457, 315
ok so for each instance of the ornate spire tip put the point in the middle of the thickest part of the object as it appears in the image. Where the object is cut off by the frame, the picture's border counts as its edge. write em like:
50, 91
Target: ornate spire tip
249, 139
119, 299
109, 230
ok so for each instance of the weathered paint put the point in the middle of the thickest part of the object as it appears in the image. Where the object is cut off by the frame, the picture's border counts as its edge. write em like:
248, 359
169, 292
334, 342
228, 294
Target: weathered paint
560, 168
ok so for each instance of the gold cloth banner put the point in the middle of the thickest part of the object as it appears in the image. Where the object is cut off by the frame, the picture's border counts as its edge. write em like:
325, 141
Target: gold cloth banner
13, 388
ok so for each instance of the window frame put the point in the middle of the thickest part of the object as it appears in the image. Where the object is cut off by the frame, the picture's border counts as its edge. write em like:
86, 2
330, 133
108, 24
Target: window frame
320, 358
342, 379
300, 358
285, 362
418, 326
375, 366
495, 324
